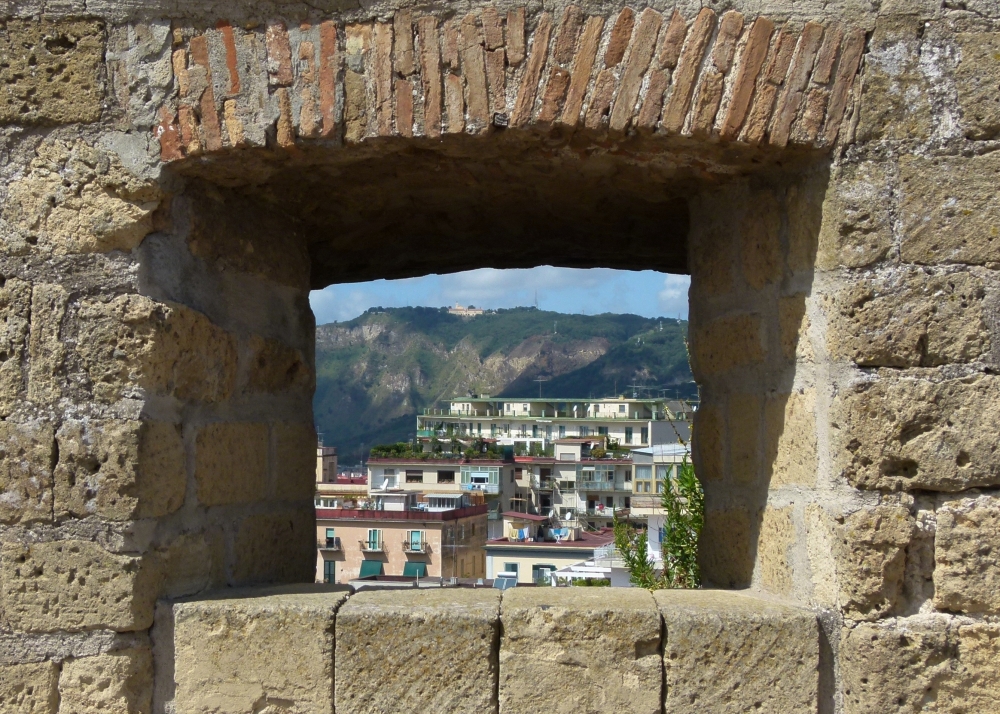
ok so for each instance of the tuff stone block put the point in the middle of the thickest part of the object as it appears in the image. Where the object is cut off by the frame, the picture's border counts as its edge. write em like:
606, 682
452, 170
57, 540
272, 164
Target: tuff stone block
26, 457
901, 665
870, 548
52, 72
608, 647
30, 688
724, 549
777, 535
919, 431
231, 463
257, 650
855, 230
264, 543
910, 318
730, 652
120, 681
15, 316
976, 77
948, 210
119, 470
75, 585
295, 460
381, 659
726, 343
967, 556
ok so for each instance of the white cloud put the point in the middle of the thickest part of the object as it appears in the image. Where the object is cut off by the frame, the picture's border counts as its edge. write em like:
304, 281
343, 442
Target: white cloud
673, 297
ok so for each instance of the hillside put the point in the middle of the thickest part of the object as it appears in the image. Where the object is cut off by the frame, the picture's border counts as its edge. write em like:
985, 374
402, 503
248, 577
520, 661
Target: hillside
374, 372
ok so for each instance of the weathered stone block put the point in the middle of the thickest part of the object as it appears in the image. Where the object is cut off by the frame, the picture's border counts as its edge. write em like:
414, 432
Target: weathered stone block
26, 456
726, 343
870, 552
30, 688
895, 96
967, 556
745, 414
760, 246
382, 643
793, 327
728, 652
46, 350
192, 563
231, 463
910, 318
707, 441
609, 648
295, 460
908, 432
265, 649
949, 210
76, 198
276, 547
133, 342
977, 77
119, 470
75, 585
791, 438
724, 548
119, 682
777, 535
856, 229
902, 665
15, 315
52, 71
276, 367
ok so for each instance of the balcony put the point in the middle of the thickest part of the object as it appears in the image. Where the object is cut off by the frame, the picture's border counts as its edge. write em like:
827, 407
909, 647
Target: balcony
421, 547
603, 486
491, 488
605, 511
329, 544
368, 546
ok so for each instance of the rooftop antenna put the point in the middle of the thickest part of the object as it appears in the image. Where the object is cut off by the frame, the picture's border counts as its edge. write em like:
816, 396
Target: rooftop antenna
540, 380
635, 390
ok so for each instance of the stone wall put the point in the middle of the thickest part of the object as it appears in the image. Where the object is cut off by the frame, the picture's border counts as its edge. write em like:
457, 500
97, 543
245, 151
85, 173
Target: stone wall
175, 177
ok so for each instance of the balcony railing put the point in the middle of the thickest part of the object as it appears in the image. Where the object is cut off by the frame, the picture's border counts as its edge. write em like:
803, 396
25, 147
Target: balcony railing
421, 547
329, 544
372, 547
605, 512
483, 487
603, 486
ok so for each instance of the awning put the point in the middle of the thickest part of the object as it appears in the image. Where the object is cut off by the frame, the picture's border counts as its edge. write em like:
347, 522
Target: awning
415, 570
370, 567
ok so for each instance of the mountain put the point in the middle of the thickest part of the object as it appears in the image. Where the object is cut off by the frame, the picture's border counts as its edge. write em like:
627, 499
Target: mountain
374, 372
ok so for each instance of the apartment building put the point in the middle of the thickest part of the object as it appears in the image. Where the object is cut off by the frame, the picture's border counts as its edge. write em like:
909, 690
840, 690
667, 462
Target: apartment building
528, 424
334, 489
442, 536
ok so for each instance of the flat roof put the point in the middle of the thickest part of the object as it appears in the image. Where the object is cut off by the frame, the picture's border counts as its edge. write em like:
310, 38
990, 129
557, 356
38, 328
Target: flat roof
524, 516
549, 400
586, 541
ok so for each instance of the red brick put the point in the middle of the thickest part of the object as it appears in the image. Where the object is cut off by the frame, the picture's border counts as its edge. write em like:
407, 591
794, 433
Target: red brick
686, 73
806, 128
450, 44
496, 78
454, 104
168, 134
430, 71
638, 62
229, 42
207, 109
307, 61
492, 28
524, 105
600, 99
827, 54
329, 68
279, 55
555, 95
515, 37
383, 78
474, 70
621, 33
569, 33
404, 107
781, 56
309, 120
730, 28
798, 76
649, 115
756, 124
706, 104
847, 68
673, 41
583, 65
751, 61
403, 31
286, 130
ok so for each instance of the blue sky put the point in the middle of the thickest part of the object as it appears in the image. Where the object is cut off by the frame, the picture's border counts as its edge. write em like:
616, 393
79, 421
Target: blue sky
570, 290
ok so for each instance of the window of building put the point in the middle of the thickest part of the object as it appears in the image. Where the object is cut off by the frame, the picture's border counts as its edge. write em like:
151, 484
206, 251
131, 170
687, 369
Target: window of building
374, 539
524, 407
329, 571
479, 428
446, 477
510, 568
331, 537
516, 475
621, 408
567, 456
415, 540
628, 474
628, 435
602, 431
548, 431
414, 476
542, 574
562, 432
643, 473
644, 435
628, 502
534, 431
584, 431
659, 486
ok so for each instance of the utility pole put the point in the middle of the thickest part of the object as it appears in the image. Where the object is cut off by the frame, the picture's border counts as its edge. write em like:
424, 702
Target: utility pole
540, 380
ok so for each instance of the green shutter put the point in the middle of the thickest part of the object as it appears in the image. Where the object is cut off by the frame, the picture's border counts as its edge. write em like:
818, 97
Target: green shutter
415, 570
370, 567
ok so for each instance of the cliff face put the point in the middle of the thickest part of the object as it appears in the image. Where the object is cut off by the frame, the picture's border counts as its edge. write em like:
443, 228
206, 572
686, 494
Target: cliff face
374, 372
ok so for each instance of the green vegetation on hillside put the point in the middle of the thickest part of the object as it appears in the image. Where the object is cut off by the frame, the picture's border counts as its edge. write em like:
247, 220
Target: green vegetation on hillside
374, 372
